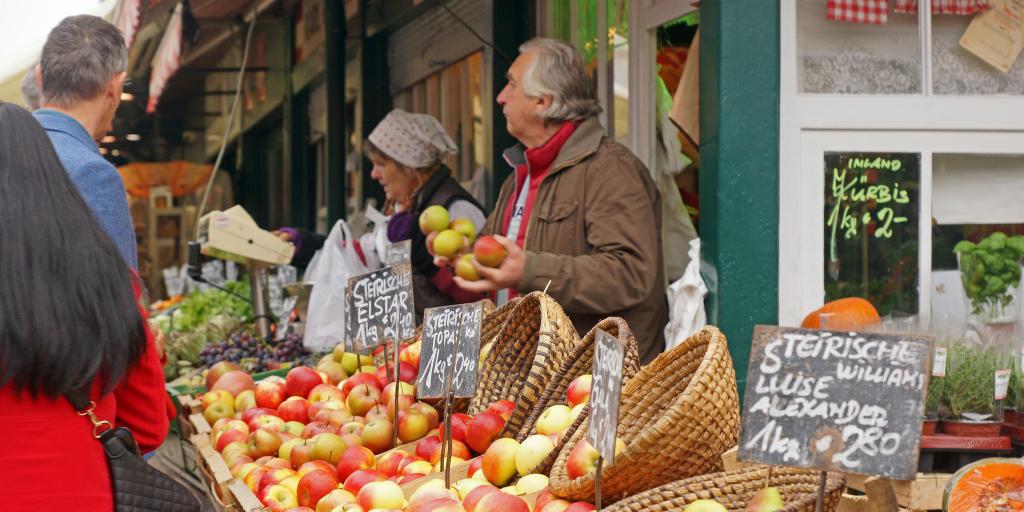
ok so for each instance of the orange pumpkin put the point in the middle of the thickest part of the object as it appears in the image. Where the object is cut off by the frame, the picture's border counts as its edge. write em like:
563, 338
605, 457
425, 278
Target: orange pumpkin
989, 484
850, 313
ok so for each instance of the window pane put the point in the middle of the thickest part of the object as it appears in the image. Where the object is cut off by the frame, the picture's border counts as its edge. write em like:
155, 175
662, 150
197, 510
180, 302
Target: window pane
618, 41
871, 228
841, 57
958, 71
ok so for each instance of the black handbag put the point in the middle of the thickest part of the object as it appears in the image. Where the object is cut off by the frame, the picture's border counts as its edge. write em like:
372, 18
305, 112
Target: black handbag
136, 485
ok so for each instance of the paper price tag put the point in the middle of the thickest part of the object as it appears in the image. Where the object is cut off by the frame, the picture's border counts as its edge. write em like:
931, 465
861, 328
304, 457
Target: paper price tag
1002, 383
939, 362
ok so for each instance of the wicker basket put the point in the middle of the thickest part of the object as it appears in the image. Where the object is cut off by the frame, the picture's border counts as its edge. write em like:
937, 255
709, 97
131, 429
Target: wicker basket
531, 345
677, 416
580, 362
733, 489
493, 319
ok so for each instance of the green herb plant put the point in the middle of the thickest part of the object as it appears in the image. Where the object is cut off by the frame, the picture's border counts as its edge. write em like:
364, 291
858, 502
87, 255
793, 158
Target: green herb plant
990, 271
936, 396
970, 381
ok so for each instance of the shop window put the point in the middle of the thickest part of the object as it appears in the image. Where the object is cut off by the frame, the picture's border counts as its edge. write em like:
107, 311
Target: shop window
957, 71
454, 96
841, 57
973, 196
871, 215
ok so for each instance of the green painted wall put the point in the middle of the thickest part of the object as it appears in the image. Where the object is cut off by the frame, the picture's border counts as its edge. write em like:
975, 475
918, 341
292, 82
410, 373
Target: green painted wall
739, 176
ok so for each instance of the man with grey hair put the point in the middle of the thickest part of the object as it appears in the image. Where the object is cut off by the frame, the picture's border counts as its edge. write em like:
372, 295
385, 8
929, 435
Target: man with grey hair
81, 75
30, 90
580, 215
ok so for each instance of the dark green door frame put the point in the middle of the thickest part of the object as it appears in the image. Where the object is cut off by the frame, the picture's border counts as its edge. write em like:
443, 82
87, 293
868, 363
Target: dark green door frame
739, 176
334, 44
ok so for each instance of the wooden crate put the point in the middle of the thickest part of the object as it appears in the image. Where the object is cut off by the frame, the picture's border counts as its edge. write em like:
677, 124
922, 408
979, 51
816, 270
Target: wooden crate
228, 493
923, 493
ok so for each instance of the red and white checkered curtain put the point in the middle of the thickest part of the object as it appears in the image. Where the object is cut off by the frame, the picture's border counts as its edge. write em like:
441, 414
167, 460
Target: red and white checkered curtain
956, 7
859, 11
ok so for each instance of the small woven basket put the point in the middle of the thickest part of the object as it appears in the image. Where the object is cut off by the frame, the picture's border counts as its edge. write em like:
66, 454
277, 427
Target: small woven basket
676, 418
734, 489
580, 362
532, 343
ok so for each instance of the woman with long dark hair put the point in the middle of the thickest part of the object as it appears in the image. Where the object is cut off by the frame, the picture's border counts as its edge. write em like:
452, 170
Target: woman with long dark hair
69, 320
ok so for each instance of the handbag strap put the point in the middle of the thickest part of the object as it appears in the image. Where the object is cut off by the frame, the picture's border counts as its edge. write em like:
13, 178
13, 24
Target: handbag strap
79, 399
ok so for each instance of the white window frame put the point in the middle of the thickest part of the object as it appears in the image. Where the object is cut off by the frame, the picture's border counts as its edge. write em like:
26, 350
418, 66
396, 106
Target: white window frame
811, 124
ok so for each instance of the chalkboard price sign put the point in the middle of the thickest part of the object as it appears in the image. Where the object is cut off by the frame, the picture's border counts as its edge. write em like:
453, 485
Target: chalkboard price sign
380, 307
450, 332
398, 252
605, 392
838, 401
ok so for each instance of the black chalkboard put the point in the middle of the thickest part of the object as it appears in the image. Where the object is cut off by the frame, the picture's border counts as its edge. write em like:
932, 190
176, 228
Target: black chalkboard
605, 392
448, 331
373, 300
872, 205
398, 252
849, 402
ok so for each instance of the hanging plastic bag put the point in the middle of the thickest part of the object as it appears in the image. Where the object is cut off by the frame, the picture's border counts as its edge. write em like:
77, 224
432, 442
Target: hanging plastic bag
337, 261
686, 301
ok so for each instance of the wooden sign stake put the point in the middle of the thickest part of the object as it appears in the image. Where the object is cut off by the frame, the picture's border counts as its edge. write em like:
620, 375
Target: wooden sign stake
597, 483
397, 374
447, 454
820, 501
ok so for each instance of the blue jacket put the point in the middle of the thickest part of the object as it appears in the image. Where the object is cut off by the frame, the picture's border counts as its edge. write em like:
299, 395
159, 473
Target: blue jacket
97, 179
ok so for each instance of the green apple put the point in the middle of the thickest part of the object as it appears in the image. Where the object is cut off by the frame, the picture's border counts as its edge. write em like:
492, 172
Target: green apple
434, 218
768, 499
448, 243
705, 506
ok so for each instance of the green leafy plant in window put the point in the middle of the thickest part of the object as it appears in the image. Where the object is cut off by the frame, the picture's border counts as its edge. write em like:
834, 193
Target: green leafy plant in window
935, 397
990, 272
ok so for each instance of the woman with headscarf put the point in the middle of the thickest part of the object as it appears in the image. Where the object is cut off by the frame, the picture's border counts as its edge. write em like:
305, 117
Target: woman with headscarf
407, 151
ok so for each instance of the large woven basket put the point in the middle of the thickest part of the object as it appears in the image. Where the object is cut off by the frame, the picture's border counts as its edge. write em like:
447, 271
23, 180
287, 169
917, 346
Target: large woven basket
676, 418
580, 362
734, 489
531, 345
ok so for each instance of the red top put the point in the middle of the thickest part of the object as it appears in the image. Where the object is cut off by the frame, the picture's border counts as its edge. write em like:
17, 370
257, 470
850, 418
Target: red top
51, 460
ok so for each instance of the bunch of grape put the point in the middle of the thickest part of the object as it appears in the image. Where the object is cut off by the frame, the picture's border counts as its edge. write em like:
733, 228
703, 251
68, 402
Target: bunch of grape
253, 354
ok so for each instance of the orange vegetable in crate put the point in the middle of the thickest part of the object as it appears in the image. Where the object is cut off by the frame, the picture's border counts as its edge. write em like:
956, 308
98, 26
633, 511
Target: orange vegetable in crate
989, 484
848, 313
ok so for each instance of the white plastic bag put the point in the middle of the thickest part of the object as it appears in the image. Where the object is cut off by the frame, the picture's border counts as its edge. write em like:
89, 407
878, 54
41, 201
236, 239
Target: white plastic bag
338, 260
686, 301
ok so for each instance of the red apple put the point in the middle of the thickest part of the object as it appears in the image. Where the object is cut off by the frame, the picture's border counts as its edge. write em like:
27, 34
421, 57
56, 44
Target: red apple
294, 409
315, 485
231, 436
488, 252
293, 428
234, 382
583, 458
269, 393
353, 459
314, 465
580, 506
334, 417
276, 463
502, 501
285, 451
317, 427
278, 497
499, 461
301, 380
362, 399
378, 412
251, 414
458, 450
359, 379
473, 498
404, 479
300, 453
274, 476
381, 495
433, 418
474, 466
418, 467
267, 422
579, 390
233, 452
324, 393
329, 405
503, 408
411, 355
240, 471
412, 425
263, 442
219, 369
482, 430
404, 403
378, 435
426, 446
352, 428
334, 499
361, 477
391, 462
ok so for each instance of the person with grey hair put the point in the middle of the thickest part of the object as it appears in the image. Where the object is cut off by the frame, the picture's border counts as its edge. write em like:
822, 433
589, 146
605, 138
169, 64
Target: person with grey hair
579, 216
81, 73
30, 90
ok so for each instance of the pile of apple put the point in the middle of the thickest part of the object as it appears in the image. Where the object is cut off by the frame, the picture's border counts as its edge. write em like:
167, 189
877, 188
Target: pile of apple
452, 238
475, 494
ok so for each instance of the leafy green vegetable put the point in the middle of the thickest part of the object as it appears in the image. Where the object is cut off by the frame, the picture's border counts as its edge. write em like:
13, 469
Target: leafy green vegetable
990, 271
199, 306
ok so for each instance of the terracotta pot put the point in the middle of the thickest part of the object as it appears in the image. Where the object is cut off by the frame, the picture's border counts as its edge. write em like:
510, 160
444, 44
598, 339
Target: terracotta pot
928, 427
972, 428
